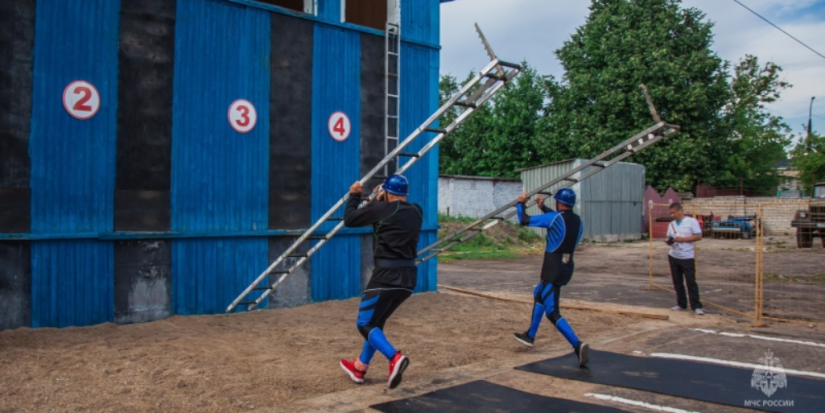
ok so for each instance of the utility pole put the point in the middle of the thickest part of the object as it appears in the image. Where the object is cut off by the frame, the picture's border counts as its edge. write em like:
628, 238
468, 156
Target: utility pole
810, 113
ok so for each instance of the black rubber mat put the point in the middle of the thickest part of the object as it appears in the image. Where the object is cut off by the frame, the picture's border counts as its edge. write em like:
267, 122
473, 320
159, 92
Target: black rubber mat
485, 397
693, 380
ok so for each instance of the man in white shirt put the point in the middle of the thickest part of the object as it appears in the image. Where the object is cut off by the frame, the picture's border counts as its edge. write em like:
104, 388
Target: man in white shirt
682, 232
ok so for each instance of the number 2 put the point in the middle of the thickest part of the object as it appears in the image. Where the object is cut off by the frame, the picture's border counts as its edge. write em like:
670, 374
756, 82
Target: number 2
244, 115
339, 127
81, 105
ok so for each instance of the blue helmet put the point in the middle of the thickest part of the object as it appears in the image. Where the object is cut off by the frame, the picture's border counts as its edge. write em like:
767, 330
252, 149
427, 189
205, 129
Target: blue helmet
396, 185
565, 196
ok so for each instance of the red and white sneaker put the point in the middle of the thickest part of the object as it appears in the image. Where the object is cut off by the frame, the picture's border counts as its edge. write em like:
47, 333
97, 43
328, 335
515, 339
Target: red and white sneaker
355, 374
398, 364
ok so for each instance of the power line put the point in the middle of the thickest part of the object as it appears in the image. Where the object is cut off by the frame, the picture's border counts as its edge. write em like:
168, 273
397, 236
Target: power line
780, 29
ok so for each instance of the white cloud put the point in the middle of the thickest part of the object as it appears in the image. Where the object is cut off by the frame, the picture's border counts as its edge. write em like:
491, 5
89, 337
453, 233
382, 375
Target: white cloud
534, 29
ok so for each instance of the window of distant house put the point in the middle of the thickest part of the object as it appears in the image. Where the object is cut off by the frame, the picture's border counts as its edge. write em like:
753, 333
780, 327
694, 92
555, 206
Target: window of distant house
370, 13
304, 6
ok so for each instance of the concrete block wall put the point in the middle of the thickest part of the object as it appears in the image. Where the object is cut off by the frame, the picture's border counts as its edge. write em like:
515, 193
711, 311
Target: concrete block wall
474, 197
777, 214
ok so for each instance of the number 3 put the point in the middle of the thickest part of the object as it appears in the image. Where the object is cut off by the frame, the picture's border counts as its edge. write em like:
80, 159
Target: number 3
245, 115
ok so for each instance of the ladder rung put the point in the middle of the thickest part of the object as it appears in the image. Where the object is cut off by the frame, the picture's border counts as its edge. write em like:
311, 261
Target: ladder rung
317, 237
393, 53
381, 177
262, 288
297, 256
495, 76
392, 96
412, 155
600, 164
465, 104
571, 180
246, 302
335, 219
392, 137
546, 193
436, 130
392, 74
277, 272
392, 116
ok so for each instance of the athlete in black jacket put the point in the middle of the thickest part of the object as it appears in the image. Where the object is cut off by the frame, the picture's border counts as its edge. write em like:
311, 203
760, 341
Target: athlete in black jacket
397, 224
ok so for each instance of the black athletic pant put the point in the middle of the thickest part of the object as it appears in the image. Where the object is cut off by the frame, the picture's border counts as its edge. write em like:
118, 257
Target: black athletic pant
681, 271
378, 303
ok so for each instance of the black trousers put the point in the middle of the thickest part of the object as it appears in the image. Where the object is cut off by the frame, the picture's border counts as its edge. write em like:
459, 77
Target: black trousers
685, 271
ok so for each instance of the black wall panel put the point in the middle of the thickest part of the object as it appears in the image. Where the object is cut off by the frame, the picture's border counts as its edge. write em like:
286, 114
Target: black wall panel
16, 55
372, 104
15, 285
290, 132
143, 281
144, 145
296, 289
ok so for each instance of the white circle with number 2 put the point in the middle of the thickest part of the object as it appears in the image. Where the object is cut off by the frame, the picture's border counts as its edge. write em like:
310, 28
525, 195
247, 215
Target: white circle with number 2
339, 126
81, 100
242, 115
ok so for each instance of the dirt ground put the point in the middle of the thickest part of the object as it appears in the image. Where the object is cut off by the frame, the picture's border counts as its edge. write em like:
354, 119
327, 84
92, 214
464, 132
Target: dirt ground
287, 360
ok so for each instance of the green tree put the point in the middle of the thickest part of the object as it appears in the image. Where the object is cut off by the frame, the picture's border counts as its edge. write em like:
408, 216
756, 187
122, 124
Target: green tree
756, 139
808, 157
500, 137
598, 104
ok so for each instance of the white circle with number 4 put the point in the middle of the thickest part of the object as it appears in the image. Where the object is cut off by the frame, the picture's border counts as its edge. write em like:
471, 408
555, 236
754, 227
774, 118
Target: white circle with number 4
81, 100
339, 126
242, 116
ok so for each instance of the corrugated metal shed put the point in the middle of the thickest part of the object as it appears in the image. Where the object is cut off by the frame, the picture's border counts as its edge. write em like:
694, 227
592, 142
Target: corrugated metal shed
72, 163
609, 202
420, 21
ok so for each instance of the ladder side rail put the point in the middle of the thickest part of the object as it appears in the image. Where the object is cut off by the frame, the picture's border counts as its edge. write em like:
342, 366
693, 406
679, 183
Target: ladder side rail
622, 146
450, 128
427, 123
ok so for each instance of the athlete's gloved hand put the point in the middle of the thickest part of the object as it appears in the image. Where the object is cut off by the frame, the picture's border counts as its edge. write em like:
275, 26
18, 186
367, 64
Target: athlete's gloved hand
381, 195
356, 188
522, 198
539, 200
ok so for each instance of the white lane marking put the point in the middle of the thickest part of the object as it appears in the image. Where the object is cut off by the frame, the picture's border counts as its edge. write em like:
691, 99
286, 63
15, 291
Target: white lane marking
738, 364
637, 403
781, 340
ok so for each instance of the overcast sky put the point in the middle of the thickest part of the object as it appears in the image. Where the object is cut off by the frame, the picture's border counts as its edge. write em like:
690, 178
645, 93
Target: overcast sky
533, 29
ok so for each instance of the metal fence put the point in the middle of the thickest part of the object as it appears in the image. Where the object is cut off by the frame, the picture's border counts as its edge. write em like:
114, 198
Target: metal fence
751, 262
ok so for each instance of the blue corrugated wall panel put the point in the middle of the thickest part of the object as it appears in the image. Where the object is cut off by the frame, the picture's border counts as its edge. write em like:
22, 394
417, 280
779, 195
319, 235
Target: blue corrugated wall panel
72, 162
72, 283
420, 21
209, 273
419, 99
329, 10
336, 86
219, 176
72, 170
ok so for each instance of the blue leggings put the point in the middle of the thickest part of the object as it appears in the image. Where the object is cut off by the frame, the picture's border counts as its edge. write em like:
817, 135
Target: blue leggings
377, 305
546, 302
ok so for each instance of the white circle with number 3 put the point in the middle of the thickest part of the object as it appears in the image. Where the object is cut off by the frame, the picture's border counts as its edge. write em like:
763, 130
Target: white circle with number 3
339, 126
242, 116
81, 100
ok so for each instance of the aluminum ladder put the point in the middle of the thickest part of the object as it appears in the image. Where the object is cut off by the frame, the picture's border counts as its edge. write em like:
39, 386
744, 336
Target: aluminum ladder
601, 162
471, 96
392, 92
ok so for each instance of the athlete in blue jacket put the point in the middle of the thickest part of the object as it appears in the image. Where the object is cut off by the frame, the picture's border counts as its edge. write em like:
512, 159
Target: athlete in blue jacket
564, 231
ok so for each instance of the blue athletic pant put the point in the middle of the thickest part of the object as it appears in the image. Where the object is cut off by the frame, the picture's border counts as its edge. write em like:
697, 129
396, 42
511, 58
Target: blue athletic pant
378, 302
546, 303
